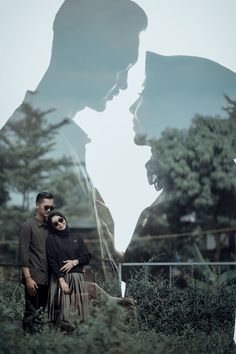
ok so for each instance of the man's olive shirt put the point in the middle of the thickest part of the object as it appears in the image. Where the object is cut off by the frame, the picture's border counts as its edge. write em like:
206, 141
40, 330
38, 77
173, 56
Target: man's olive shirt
32, 249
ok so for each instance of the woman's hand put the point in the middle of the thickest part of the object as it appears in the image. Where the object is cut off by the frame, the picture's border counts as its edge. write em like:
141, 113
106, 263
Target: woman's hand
64, 286
69, 264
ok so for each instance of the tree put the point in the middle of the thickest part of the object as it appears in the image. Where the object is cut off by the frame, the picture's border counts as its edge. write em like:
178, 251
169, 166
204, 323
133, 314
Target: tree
3, 189
26, 145
68, 190
25, 142
195, 167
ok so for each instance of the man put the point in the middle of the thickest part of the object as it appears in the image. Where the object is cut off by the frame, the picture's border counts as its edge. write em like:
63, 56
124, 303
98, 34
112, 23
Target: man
95, 43
33, 261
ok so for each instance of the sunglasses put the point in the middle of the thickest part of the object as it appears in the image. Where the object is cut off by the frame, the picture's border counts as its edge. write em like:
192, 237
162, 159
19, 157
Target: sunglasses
48, 207
56, 223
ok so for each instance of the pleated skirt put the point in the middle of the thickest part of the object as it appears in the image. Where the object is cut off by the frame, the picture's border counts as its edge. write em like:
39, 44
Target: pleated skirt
68, 309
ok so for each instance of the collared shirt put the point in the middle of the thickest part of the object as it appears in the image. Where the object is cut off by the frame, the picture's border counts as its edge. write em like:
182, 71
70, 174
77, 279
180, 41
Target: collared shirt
32, 249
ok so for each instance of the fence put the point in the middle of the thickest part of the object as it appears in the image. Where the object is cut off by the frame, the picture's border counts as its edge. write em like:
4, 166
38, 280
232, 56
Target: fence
173, 265
146, 265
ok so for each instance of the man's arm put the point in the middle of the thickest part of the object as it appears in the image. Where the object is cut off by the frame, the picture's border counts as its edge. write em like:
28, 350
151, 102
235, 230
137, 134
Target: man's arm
23, 257
30, 284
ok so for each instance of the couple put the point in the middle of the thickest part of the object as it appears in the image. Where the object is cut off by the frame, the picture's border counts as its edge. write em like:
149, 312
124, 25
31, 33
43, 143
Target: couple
49, 254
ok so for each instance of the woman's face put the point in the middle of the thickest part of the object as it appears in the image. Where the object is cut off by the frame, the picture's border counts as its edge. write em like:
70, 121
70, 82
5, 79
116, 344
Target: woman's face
58, 222
152, 114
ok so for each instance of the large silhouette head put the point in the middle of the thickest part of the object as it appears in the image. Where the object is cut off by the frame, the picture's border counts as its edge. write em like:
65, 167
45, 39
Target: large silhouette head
177, 88
95, 43
179, 115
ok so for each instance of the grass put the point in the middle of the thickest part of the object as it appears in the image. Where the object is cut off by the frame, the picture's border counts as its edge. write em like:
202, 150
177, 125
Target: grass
195, 319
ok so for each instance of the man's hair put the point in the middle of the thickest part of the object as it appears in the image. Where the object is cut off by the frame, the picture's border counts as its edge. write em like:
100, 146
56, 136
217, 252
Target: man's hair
43, 195
103, 22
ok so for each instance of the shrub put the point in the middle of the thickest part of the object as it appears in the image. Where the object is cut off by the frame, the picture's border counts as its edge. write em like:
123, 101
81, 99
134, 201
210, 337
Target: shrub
197, 319
173, 310
12, 298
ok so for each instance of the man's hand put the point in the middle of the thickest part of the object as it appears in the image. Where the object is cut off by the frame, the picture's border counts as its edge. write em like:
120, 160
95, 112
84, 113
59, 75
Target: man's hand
31, 286
69, 264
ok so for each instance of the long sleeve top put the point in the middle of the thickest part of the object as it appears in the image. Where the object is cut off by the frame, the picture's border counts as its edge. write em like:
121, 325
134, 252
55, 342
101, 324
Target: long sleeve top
62, 248
32, 249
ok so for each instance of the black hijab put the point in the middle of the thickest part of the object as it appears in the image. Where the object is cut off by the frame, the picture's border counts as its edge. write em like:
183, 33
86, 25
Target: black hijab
52, 229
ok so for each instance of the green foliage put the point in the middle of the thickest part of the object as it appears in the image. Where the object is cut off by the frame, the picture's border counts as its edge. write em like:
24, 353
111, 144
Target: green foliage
12, 299
198, 342
69, 193
195, 168
198, 307
192, 319
4, 196
7, 334
197, 320
12, 217
25, 141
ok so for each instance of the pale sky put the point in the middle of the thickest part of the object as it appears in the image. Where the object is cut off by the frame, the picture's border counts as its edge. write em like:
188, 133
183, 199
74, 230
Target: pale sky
205, 28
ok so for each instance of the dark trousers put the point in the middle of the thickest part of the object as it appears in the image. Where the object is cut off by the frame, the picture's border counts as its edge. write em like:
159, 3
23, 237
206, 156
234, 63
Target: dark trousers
34, 308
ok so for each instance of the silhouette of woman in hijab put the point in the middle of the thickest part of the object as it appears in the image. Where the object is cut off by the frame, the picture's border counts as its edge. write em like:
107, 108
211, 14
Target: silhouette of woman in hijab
179, 115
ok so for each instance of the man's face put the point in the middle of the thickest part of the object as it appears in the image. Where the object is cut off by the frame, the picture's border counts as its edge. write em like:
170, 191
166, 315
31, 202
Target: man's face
108, 78
109, 87
120, 83
44, 207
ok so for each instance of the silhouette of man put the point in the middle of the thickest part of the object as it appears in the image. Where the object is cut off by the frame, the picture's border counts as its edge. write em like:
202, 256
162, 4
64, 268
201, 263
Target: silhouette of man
176, 90
95, 43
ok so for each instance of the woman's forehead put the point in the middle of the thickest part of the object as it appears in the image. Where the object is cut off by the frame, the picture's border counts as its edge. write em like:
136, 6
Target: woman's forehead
56, 217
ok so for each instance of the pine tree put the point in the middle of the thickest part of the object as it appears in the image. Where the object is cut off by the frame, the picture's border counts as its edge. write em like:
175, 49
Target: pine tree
25, 143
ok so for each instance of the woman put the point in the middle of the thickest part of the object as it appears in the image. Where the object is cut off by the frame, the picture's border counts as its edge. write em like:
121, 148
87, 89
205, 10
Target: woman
67, 254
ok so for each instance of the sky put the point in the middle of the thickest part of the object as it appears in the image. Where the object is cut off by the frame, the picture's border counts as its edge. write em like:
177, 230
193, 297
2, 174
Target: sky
205, 28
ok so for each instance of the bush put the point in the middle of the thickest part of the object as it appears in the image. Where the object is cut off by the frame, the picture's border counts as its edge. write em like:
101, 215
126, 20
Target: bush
173, 310
104, 332
12, 299
7, 333
197, 319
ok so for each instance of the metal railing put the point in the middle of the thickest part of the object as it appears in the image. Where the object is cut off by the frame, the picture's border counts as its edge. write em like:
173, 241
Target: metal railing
146, 265
172, 265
